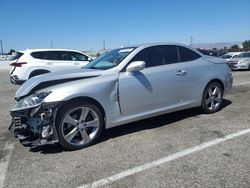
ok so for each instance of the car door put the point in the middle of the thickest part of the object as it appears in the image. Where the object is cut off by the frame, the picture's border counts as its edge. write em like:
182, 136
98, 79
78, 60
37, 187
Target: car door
154, 88
78, 59
57, 60
196, 75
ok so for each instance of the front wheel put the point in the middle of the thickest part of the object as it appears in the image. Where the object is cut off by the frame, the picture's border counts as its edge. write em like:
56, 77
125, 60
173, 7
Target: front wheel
79, 125
212, 98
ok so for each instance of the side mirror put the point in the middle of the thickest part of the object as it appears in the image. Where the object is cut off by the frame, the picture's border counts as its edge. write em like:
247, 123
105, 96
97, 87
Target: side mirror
136, 66
90, 59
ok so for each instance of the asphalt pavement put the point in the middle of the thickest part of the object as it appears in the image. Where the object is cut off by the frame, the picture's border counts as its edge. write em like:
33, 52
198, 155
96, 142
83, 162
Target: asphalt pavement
126, 156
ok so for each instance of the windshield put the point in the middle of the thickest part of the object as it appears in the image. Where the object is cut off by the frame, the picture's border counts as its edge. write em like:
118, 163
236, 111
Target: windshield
242, 55
226, 56
109, 59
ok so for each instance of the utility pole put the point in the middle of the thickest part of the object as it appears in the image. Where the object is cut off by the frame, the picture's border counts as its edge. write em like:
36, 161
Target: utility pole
51, 44
191, 42
128, 42
1, 41
104, 45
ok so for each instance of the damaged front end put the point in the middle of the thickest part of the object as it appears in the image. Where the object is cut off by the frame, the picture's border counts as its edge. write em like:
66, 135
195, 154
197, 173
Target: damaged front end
33, 121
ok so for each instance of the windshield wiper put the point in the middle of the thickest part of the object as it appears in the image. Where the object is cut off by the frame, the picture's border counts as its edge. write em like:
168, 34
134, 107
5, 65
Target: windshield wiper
90, 68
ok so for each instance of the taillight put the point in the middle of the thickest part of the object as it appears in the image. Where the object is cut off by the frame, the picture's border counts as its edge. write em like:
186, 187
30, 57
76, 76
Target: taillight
18, 64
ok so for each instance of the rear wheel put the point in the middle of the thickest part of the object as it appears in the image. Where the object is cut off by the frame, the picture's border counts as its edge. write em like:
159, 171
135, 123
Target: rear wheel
212, 98
79, 125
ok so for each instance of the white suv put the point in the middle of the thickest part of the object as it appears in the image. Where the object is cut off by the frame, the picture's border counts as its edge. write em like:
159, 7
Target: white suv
29, 63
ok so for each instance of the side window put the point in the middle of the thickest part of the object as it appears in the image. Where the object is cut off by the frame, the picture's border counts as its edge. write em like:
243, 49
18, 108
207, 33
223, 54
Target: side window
171, 54
187, 54
38, 55
75, 56
53, 55
153, 56
65, 56
158, 55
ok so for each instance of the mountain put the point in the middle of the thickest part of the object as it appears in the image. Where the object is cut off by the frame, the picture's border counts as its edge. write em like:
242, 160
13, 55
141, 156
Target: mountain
217, 45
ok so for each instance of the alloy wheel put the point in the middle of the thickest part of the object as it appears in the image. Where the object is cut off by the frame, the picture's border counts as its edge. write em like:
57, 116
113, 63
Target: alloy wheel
213, 98
80, 126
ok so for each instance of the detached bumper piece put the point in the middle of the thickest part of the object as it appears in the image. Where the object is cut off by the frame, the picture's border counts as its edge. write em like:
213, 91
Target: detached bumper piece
35, 126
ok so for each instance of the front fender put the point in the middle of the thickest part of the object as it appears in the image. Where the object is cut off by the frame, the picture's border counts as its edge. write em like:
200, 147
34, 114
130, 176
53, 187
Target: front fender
103, 89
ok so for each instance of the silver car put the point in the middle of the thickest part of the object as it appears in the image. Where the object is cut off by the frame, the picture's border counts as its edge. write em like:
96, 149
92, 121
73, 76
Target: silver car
241, 61
121, 86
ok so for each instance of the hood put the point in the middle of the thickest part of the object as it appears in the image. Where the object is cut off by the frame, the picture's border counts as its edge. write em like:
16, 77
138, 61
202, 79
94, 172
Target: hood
49, 79
239, 59
215, 60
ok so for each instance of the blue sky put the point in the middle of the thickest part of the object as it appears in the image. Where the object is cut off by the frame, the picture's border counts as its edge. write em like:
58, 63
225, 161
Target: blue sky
84, 24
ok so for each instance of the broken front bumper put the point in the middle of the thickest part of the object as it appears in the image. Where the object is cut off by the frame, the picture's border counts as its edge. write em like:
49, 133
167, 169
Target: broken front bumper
35, 126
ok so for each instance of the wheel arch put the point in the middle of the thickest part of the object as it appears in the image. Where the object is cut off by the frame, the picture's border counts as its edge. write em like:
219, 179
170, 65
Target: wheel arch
204, 106
33, 72
89, 99
217, 81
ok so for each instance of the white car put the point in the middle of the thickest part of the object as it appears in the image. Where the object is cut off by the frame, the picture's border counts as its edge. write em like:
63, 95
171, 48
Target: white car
241, 61
30, 63
230, 55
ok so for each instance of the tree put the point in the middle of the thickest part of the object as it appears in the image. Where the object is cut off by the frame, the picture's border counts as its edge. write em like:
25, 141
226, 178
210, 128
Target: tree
11, 51
246, 44
235, 47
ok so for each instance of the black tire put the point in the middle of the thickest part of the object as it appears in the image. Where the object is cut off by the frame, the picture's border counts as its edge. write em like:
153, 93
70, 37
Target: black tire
38, 72
211, 102
62, 125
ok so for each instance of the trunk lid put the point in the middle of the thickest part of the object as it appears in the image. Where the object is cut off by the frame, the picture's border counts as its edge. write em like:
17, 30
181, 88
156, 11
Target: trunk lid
215, 60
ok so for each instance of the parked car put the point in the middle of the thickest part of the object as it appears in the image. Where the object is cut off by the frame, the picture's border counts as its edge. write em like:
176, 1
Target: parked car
121, 86
241, 61
2, 57
230, 55
29, 63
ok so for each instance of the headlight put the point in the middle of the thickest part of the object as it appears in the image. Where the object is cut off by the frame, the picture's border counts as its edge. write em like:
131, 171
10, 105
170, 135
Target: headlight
243, 61
233, 61
31, 101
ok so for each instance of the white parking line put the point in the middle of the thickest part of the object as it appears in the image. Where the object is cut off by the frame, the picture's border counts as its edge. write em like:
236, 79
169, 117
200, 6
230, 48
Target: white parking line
115, 177
5, 162
243, 83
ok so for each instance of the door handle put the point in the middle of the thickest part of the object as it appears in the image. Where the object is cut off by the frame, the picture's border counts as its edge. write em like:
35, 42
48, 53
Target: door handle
49, 63
181, 72
76, 63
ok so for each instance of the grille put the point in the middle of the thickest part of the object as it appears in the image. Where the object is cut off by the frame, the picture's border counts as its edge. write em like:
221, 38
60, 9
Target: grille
17, 121
232, 64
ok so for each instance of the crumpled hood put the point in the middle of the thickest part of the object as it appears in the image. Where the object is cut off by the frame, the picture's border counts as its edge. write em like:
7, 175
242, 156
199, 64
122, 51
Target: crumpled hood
56, 78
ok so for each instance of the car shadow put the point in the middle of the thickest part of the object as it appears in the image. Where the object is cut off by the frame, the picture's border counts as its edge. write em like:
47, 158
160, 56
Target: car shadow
146, 124
241, 70
143, 80
154, 122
